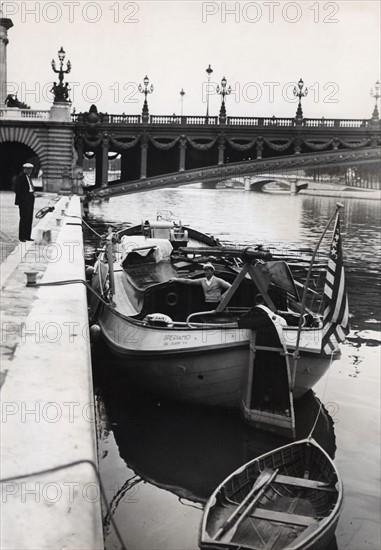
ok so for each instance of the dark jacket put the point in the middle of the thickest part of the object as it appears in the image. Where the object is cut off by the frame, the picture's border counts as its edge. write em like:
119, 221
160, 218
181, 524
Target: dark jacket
21, 187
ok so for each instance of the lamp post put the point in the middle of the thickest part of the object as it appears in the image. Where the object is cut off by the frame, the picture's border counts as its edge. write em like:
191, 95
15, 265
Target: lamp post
375, 93
61, 91
182, 94
223, 91
300, 92
146, 90
209, 71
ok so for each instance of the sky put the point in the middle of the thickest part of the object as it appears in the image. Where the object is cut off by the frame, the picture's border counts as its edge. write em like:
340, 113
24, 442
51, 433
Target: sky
262, 48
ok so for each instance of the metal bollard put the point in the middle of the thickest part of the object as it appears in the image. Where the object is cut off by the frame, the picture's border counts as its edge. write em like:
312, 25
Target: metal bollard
31, 277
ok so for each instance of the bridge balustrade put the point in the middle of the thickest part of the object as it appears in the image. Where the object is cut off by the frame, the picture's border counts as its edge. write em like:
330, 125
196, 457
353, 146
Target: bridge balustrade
242, 121
16, 113
212, 120
122, 119
278, 121
357, 123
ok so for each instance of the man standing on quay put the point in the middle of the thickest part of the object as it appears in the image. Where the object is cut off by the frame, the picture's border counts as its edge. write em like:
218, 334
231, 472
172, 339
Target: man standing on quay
25, 201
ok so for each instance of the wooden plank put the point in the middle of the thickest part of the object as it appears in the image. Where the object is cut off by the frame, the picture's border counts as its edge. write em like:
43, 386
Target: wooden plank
262, 285
277, 534
231, 291
283, 517
304, 483
262, 480
229, 535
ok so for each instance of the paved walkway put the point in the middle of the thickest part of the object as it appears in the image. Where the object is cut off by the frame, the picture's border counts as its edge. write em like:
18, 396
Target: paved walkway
17, 258
46, 368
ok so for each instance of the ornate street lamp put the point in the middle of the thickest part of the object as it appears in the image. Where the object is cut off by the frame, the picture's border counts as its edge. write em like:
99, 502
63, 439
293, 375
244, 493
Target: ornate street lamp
375, 93
61, 91
209, 71
223, 91
182, 94
300, 92
146, 90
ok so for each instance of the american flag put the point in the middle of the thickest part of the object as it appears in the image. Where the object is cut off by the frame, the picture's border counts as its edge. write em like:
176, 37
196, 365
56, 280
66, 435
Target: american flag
336, 317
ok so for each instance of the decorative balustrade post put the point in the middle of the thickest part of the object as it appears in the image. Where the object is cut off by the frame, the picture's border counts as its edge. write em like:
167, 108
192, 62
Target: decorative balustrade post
143, 158
259, 147
223, 91
300, 92
375, 93
105, 148
183, 150
146, 91
221, 150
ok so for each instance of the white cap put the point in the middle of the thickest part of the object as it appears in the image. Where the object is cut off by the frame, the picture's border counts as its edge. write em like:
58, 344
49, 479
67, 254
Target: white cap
28, 165
208, 266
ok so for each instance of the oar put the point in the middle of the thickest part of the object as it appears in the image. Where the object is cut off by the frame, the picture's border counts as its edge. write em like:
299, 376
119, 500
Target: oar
259, 485
229, 534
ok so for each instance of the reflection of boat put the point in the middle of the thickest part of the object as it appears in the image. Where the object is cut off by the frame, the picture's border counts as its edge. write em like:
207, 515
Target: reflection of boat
289, 498
175, 348
190, 450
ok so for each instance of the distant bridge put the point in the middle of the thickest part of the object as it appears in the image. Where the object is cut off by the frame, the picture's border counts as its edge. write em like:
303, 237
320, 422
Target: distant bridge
256, 183
252, 167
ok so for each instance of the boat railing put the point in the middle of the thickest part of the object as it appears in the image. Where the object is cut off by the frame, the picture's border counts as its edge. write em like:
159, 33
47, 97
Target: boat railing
214, 325
204, 325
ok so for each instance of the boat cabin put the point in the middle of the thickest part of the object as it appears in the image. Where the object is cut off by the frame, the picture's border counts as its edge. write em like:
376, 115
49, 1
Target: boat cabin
176, 234
151, 263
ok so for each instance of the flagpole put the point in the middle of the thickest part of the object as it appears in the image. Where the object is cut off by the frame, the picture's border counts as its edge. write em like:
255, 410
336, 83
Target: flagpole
304, 299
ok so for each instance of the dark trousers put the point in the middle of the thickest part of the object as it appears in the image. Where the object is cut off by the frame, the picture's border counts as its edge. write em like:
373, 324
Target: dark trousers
26, 217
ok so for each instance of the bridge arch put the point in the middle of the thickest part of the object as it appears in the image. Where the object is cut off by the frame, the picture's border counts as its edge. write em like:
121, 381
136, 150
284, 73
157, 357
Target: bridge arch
294, 185
19, 145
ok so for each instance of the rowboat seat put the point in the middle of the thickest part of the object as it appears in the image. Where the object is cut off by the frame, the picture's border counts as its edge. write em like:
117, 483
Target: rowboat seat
304, 483
283, 517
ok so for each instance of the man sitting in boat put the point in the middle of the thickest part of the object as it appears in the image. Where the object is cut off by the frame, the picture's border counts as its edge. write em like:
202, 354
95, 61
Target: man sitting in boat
211, 285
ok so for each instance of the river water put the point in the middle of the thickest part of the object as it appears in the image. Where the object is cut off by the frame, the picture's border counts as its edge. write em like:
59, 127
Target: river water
160, 461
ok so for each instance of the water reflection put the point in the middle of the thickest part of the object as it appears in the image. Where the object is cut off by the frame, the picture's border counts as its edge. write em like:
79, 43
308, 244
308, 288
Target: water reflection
184, 450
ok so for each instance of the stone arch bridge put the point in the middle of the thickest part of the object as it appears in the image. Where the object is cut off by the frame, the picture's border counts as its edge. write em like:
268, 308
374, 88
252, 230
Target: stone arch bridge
57, 142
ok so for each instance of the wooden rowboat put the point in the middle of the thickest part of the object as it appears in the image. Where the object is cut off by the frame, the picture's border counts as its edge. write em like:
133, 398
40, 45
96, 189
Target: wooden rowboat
289, 498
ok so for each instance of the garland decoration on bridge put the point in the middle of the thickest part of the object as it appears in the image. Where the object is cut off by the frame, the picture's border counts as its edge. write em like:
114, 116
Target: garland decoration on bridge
278, 146
355, 144
318, 146
94, 143
123, 144
241, 146
201, 146
163, 146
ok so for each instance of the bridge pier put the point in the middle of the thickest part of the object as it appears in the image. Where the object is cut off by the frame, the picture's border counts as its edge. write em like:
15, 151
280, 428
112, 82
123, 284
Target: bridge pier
221, 153
183, 150
294, 186
143, 158
104, 167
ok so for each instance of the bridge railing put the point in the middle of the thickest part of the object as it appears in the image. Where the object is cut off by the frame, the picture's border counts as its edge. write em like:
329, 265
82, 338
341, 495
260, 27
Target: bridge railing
125, 119
173, 119
184, 120
14, 113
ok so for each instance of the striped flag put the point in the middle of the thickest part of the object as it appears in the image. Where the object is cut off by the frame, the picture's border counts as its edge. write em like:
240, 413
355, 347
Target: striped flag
336, 317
